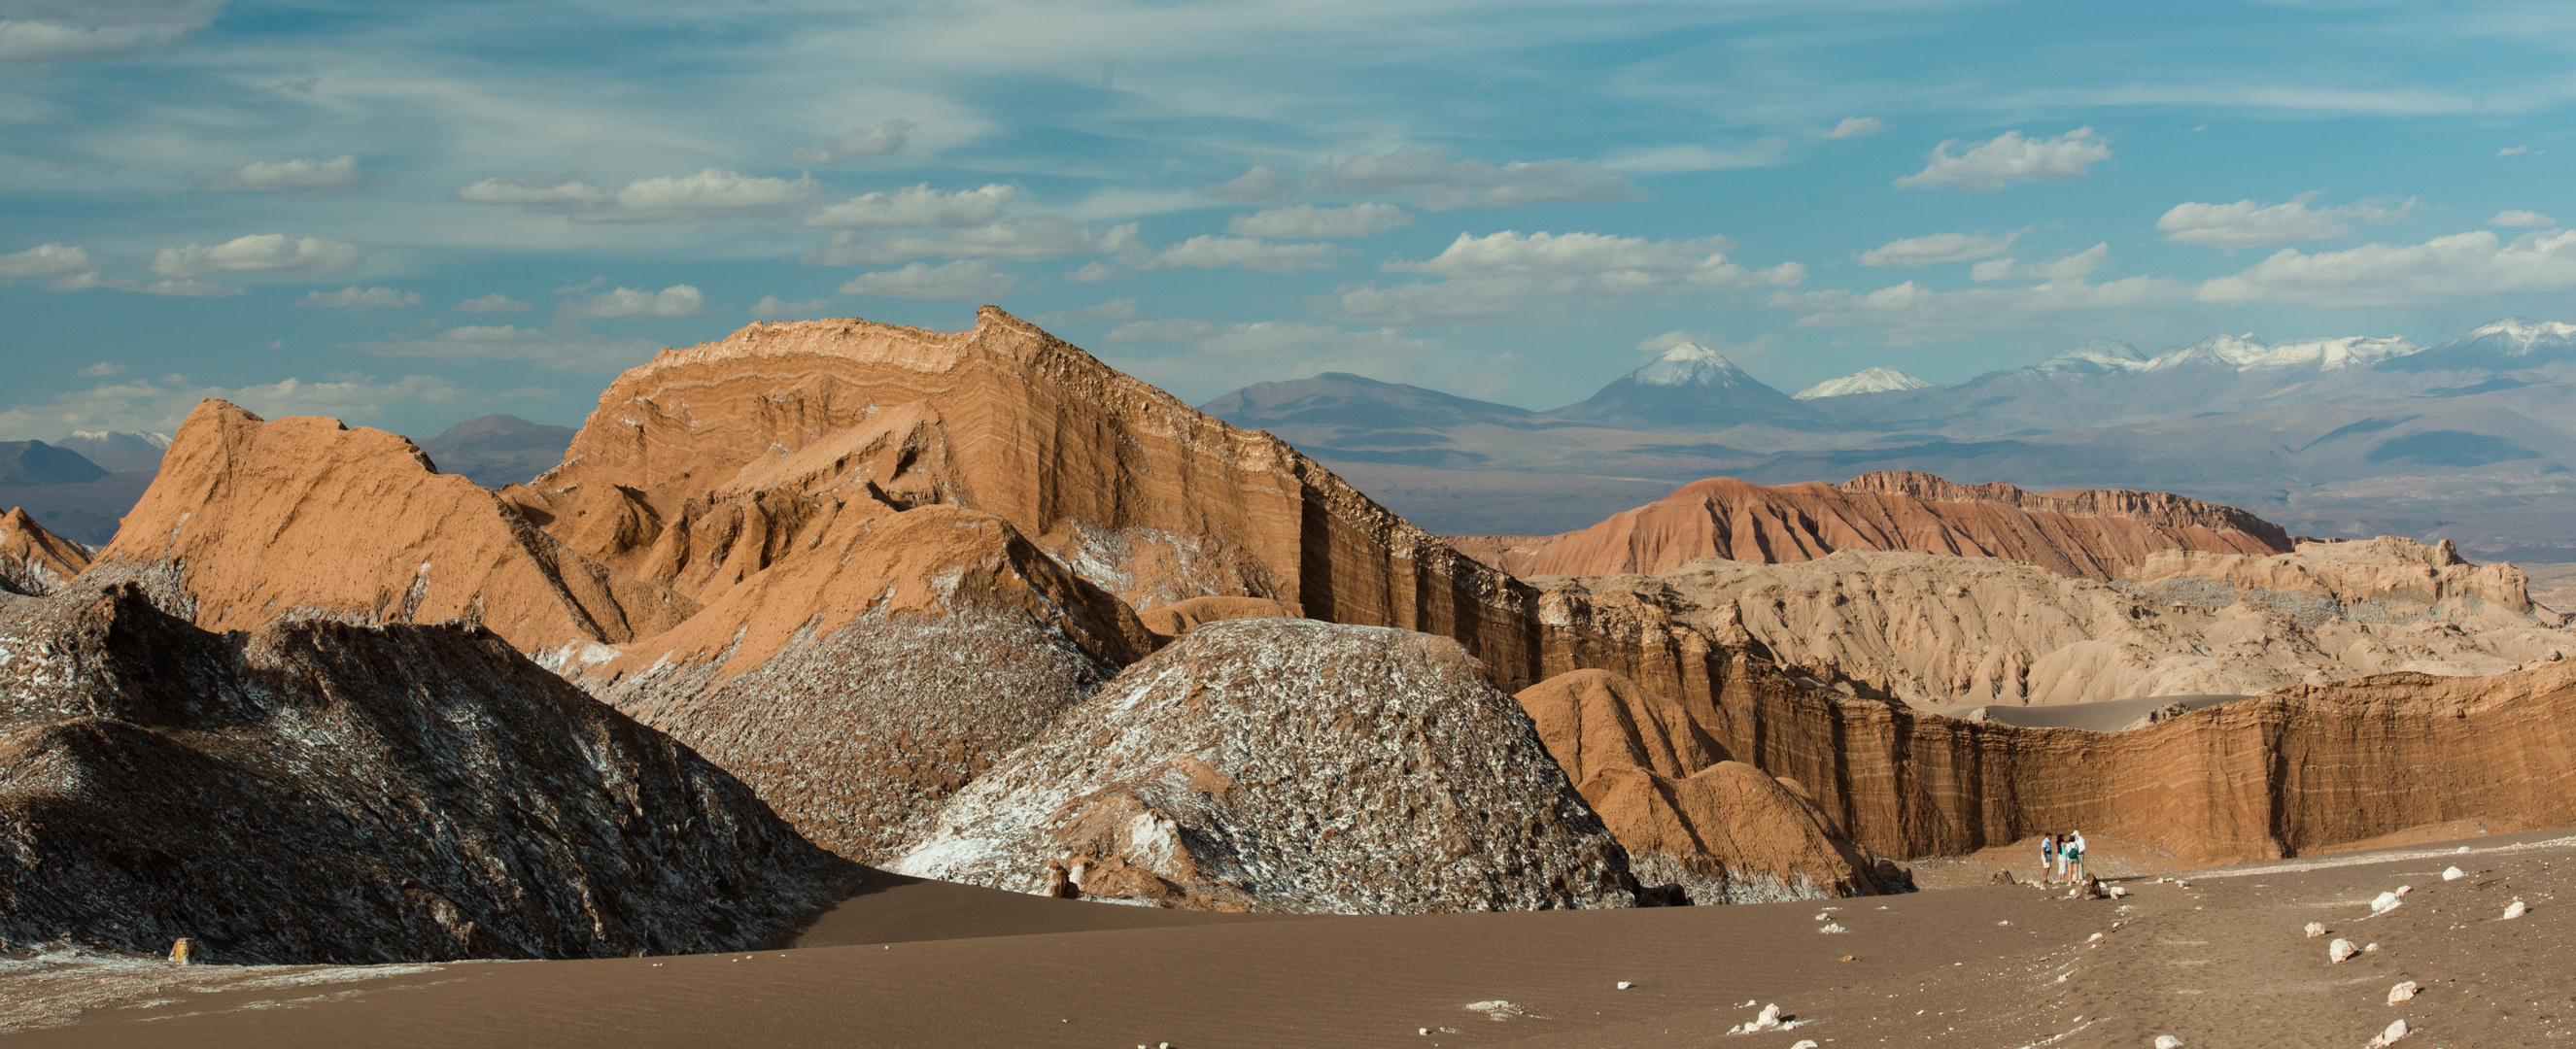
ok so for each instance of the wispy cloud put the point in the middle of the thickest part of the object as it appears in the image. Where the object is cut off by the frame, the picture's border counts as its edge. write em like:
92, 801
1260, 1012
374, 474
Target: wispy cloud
360, 298
262, 251
2248, 224
2009, 158
336, 175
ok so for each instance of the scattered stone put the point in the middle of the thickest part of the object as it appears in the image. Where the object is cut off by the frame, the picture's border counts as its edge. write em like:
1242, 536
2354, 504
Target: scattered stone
2461, 849
2316, 929
1804, 1043
1624, 985
2096, 938
2166, 1041
2453, 874
2396, 1030
2402, 992
2386, 902
2516, 909
1770, 1020
1422, 1030
2341, 949
2004, 922
2370, 948
2118, 891
2181, 884
1848, 958
1496, 1010
1837, 926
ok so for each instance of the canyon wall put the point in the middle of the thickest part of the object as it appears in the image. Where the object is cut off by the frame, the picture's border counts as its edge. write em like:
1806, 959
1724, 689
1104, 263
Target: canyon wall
2090, 534
33, 561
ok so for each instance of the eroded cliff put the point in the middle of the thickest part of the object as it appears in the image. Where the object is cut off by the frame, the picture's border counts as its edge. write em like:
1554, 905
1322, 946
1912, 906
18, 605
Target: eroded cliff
33, 561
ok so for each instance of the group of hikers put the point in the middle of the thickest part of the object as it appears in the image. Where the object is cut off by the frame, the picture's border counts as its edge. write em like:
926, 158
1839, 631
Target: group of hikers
2062, 851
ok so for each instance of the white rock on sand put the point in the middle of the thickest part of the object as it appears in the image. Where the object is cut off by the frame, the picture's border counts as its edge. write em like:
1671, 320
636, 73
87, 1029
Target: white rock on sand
2453, 874
1834, 927
2516, 909
2386, 902
2341, 949
2166, 1041
2396, 1030
1768, 1021
2316, 929
2402, 992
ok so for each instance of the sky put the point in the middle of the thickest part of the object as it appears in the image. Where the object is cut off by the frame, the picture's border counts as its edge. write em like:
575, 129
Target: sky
406, 215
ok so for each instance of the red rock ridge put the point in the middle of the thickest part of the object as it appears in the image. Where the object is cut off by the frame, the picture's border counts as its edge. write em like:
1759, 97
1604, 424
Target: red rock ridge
2092, 534
713, 462
33, 561
307, 516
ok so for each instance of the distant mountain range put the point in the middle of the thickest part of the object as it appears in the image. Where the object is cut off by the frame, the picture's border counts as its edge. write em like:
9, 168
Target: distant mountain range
2472, 440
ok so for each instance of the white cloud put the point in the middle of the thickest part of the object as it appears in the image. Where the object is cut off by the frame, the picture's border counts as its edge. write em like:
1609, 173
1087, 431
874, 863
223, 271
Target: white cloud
2248, 224
1262, 182
2081, 264
79, 31
678, 300
305, 176
1307, 220
145, 406
1911, 313
492, 303
264, 251
1212, 252
185, 289
1693, 156
1508, 273
101, 370
360, 298
966, 280
916, 207
2520, 219
1855, 127
1113, 310
2008, 158
1092, 272
65, 267
884, 139
1440, 184
2513, 151
711, 195
773, 308
568, 349
1027, 239
2462, 265
1937, 248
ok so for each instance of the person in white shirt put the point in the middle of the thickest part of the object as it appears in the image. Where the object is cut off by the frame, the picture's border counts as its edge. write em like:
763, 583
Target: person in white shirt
2075, 851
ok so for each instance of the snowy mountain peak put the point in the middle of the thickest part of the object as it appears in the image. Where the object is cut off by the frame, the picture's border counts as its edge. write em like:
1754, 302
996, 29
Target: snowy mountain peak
2097, 355
2518, 335
1866, 380
1690, 364
2245, 352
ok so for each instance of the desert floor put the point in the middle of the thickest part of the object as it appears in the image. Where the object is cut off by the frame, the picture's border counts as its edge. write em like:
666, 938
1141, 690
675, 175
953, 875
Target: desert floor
2216, 958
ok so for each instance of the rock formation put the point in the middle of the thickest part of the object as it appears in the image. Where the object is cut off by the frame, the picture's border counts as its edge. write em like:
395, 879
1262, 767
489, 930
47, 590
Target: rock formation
709, 464
859, 686
1946, 632
35, 562
1287, 765
2298, 768
1720, 831
304, 516
318, 791
2089, 534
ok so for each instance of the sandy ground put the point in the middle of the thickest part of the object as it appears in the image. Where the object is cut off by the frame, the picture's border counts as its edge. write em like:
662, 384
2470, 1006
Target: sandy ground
2221, 961
2552, 584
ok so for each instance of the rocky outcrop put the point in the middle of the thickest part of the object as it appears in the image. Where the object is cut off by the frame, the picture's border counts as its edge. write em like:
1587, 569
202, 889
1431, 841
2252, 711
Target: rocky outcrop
712, 463
1287, 765
2299, 768
305, 516
35, 562
1718, 831
858, 688
2385, 580
2088, 534
319, 791
1949, 632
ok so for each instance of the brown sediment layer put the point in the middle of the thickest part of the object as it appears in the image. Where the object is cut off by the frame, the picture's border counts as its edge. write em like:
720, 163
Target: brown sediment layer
2093, 534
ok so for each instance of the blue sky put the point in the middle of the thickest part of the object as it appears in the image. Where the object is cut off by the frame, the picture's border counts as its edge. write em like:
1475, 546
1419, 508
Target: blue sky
406, 215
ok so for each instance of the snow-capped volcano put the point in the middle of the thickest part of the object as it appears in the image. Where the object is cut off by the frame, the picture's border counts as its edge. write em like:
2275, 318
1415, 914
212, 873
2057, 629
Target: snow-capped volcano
2245, 352
1691, 364
1689, 386
1866, 380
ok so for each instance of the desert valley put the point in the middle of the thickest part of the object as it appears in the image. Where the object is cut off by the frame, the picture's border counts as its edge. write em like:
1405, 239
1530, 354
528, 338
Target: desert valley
842, 682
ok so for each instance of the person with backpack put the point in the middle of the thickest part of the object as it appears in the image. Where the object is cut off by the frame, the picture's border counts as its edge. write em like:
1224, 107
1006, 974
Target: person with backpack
2075, 855
2047, 855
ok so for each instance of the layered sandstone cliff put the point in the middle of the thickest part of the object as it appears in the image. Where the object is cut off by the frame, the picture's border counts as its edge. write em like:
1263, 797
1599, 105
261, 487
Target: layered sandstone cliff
1939, 632
33, 561
317, 791
1719, 831
1287, 765
304, 516
2295, 769
713, 463
2089, 534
